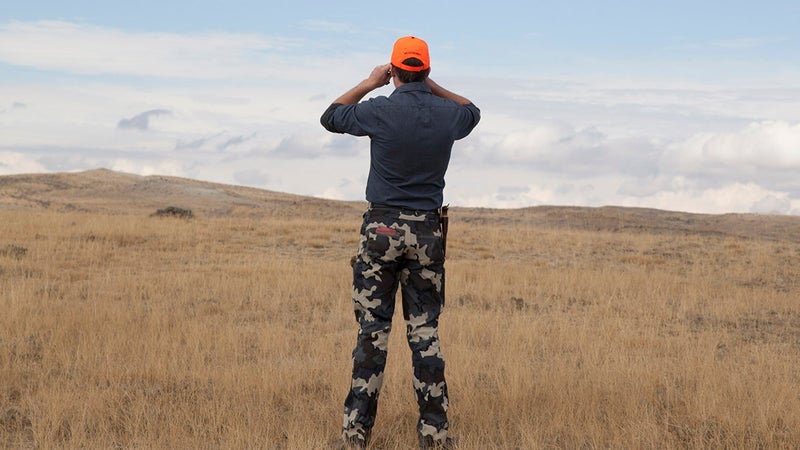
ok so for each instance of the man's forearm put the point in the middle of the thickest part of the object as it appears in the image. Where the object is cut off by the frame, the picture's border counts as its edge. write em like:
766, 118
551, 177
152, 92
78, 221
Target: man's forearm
379, 77
355, 94
444, 93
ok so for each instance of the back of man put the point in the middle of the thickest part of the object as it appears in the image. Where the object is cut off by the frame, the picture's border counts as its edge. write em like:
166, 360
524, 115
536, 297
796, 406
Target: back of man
411, 132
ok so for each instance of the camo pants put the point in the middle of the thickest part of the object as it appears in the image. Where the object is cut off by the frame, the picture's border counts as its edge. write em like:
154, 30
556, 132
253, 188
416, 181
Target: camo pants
402, 248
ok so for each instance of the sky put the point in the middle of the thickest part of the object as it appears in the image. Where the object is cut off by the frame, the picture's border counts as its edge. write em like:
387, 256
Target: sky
682, 105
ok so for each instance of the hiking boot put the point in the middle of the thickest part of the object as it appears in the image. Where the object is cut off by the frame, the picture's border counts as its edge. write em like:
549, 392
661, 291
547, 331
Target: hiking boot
428, 443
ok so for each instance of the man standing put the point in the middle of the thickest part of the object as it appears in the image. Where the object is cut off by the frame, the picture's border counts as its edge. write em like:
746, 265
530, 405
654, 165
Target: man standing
402, 240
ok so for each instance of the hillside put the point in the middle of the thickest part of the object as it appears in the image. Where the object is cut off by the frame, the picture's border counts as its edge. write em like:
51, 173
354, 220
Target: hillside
603, 327
109, 192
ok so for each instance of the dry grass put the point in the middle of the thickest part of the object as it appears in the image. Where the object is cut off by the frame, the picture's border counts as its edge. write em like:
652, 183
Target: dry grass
135, 332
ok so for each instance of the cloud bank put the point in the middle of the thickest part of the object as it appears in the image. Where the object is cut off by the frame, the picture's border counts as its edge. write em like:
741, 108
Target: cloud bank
244, 109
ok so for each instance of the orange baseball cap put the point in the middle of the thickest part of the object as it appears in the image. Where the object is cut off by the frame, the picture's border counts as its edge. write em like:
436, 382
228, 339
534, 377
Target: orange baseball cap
411, 47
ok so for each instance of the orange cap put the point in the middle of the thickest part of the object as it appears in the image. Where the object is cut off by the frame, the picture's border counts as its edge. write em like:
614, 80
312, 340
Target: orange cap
411, 47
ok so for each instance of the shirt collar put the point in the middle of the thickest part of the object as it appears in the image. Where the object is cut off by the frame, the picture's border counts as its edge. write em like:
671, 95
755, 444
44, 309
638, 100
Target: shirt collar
412, 87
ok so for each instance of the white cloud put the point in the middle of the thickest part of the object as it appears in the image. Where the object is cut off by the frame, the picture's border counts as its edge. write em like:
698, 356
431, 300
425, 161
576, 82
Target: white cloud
260, 59
772, 204
733, 197
88, 49
165, 167
305, 144
14, 162
770, 145
765, 152
590, 141
513, 188
533, 144
346, 189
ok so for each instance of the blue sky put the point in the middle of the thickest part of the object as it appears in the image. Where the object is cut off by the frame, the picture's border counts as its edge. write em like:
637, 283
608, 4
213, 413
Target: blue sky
690, 106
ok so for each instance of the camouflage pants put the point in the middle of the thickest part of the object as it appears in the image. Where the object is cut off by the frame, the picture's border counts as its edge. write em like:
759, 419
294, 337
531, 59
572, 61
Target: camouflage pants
405, 249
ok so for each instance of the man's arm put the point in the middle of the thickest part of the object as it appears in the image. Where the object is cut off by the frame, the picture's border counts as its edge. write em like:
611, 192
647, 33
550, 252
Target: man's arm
380, 76
444, 93
470, 116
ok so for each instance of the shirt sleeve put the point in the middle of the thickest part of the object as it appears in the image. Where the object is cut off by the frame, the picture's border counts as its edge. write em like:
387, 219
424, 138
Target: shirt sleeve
351, 119
469, 118
327, 118
356, 119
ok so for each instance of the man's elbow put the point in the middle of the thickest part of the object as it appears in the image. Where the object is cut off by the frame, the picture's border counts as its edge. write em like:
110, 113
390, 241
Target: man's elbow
327, 118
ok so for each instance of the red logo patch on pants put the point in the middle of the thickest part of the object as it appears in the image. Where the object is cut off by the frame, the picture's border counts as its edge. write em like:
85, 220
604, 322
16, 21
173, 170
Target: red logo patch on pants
386, 231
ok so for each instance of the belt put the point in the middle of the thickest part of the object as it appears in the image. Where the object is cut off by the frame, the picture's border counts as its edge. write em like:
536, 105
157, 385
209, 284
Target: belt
415, 212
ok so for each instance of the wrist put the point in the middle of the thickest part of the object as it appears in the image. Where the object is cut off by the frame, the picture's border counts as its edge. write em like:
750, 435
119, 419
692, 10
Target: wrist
365, 87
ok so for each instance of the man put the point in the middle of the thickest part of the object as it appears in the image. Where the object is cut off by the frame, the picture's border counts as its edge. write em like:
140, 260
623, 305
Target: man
402, 241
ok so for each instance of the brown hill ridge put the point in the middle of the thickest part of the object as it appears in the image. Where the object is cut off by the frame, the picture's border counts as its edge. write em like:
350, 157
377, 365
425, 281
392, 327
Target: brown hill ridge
108, 192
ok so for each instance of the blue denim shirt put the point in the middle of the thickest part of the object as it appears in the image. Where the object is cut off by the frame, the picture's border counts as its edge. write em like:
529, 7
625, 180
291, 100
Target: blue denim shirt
411, 136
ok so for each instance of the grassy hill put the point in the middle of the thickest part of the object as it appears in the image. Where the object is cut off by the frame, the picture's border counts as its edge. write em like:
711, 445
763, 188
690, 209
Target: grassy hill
564, 327
105, 191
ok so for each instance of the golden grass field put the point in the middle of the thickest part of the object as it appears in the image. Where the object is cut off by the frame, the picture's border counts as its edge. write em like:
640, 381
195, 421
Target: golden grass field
592, 329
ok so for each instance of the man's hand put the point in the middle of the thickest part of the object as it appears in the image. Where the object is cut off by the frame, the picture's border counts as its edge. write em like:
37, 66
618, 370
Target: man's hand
379, 77
444, 93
